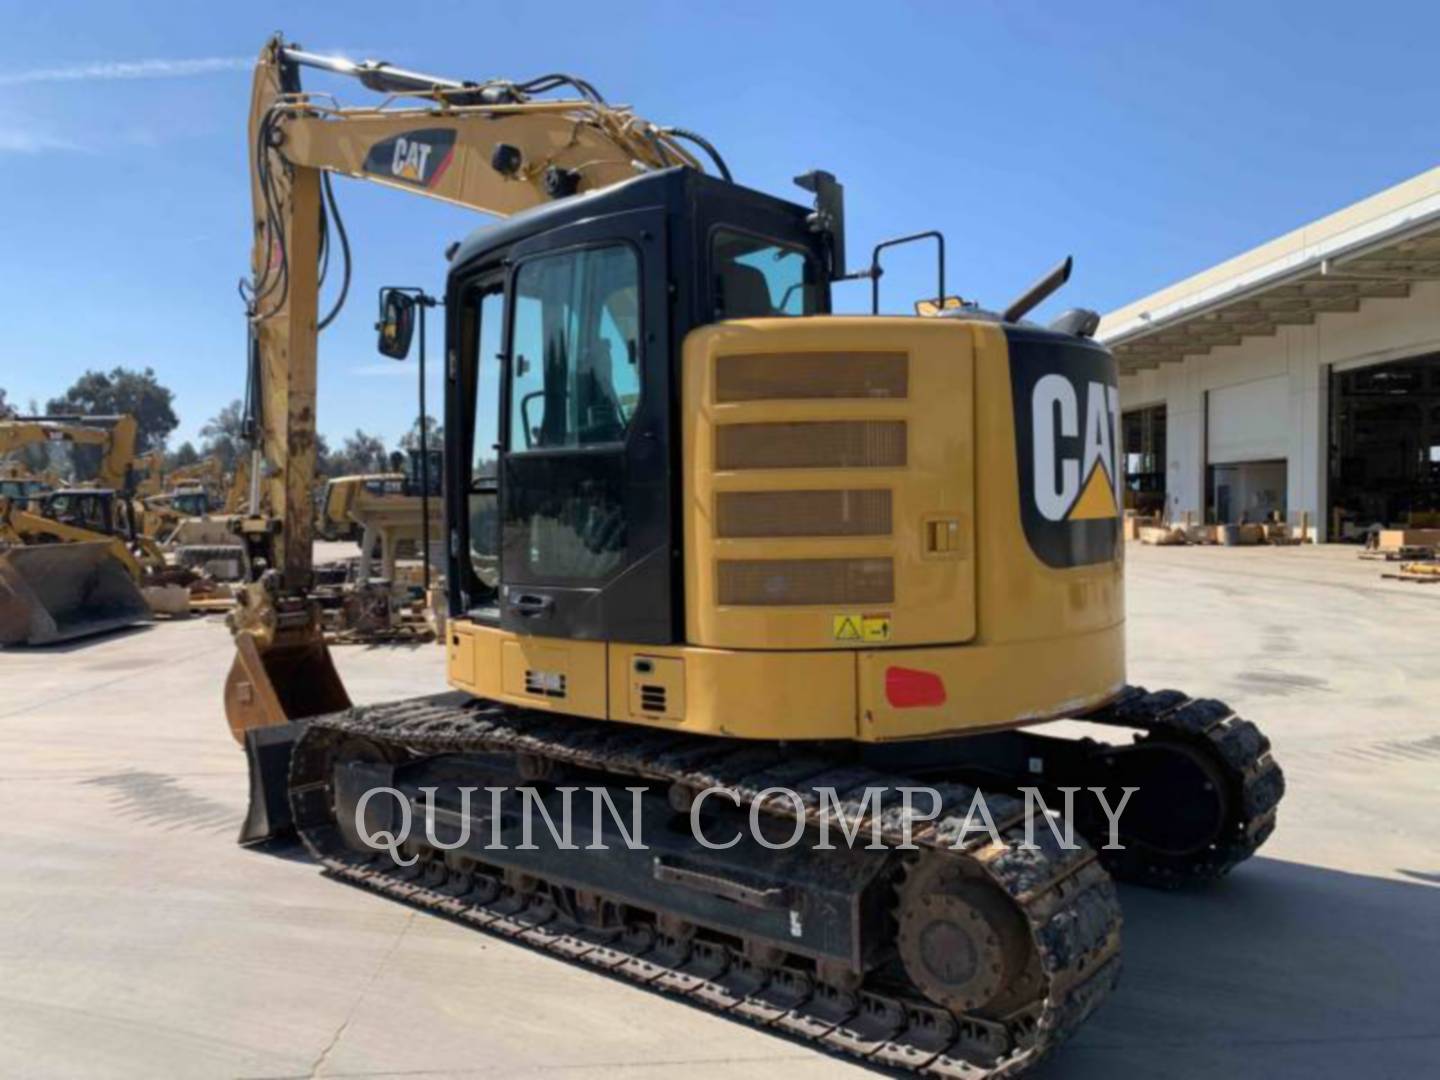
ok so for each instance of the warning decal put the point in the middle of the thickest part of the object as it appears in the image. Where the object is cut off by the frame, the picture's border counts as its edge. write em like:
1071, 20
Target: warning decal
857, 627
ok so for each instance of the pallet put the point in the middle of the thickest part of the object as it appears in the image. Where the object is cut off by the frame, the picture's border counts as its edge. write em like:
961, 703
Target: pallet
1404, 554
1420, 573
211, 604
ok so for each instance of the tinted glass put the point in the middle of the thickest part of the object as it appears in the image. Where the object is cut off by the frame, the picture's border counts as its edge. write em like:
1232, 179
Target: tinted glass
565, 518
489, 339
575, 375
756, 278
482, 502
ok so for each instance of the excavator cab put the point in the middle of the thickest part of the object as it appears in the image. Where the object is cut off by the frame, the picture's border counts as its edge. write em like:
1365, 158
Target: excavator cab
562, 426
93, 509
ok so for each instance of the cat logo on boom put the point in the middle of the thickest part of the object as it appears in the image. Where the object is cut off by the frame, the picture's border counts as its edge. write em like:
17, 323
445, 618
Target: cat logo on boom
1066, 430
419, 158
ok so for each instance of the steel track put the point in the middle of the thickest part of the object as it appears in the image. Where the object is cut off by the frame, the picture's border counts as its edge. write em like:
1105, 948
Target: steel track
1067, 898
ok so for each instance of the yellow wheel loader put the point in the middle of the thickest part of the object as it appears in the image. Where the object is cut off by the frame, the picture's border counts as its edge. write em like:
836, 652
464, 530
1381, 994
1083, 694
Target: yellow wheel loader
70, 562
740, 565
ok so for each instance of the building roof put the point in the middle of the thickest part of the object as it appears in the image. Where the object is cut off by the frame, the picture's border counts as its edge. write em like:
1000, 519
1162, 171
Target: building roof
1378, 247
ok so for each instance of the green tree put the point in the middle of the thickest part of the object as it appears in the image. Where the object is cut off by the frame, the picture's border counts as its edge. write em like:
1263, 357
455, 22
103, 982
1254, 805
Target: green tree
183, 457
221, 434
324, 459
123, 390
6, 409
434, 435
359, 453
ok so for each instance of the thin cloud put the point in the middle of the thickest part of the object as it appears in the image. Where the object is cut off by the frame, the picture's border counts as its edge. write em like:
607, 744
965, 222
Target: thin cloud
129, 69
20, 141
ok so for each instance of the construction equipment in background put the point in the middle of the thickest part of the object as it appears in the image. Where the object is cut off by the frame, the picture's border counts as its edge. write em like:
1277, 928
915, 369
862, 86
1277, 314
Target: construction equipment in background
148, 474
383, 511
189, 519
385, 514
60, 579
72, 561
20, 484
114, 436
702, 535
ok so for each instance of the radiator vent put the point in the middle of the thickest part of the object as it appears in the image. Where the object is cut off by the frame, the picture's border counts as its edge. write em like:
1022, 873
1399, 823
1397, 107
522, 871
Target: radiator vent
827, 444
788, 582
652, 698
794, 376
802, 513
549, 684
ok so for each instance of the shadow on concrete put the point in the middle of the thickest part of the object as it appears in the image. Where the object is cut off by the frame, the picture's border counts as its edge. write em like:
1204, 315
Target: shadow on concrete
82, 643
162, 801
1280, 970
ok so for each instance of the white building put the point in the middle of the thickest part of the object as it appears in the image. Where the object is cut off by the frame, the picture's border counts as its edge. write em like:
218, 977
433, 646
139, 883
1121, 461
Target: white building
1300, 378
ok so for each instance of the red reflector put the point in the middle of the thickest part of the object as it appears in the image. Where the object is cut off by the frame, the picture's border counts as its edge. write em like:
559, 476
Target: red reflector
906, 688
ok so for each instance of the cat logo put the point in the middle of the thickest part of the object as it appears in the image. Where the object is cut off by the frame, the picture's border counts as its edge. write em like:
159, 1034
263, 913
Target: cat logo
417, 157
1067, 410
1059, 493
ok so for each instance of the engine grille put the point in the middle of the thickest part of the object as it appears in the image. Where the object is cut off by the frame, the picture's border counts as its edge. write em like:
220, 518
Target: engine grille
802, 513
790, 376
780, 582
823, 444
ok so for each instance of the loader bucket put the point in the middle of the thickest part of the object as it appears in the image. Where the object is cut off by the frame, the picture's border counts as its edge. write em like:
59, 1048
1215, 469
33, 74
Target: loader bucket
55, 592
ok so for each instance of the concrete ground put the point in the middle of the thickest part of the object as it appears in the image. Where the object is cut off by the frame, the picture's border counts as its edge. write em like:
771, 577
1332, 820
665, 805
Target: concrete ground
140, 941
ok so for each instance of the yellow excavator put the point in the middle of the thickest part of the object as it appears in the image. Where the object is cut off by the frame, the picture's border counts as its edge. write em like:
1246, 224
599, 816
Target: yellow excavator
715, 552
71, 558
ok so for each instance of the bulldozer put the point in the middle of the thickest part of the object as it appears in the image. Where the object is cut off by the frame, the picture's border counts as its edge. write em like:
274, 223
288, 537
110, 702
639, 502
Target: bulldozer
722, 556
71, 560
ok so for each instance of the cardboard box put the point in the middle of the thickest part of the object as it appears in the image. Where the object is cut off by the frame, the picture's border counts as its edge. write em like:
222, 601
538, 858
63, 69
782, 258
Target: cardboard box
1161, 535
1395, 539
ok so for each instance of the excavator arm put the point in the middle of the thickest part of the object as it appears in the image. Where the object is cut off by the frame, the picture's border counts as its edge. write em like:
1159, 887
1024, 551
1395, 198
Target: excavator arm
496, 147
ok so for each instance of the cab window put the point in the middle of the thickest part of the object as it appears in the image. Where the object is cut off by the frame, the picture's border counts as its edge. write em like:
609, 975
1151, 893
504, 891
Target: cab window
759, 278
575, 343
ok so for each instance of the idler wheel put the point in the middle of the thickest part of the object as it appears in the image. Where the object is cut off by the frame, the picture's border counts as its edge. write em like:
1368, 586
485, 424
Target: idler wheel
961, 941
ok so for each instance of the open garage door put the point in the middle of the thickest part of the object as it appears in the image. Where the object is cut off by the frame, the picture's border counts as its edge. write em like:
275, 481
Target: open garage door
1385, 446
1143, 435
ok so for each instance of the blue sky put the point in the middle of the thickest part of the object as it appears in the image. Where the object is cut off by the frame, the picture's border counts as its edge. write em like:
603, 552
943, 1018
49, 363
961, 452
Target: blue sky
1150, 140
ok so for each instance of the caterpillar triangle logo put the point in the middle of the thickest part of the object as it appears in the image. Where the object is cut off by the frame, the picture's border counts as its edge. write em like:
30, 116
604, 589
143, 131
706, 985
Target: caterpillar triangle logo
1067, 412
1096, 500
1056, 410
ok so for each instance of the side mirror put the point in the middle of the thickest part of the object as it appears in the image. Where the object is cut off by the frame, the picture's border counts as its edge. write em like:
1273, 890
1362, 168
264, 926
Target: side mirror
397, 323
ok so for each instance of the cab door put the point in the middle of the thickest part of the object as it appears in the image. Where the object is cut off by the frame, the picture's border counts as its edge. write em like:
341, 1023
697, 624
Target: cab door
585, 494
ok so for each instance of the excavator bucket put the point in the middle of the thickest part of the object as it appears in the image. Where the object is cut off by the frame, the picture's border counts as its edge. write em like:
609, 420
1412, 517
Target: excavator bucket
55, 592
269, 695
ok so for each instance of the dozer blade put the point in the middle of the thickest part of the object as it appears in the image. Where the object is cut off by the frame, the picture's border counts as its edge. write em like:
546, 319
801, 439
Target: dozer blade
56, 592
269, 694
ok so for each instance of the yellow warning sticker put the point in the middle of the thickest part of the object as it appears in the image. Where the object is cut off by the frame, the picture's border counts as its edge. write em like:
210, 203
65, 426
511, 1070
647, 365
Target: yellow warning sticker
875, 627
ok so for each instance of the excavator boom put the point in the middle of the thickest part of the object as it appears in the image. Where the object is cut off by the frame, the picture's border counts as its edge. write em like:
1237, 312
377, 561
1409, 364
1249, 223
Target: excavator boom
495, 147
